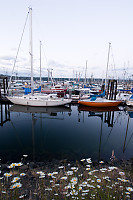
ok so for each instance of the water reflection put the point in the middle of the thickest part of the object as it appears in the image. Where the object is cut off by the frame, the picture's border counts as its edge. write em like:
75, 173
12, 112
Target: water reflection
30, 109
5, 115
71, 133
130, 116
106, 115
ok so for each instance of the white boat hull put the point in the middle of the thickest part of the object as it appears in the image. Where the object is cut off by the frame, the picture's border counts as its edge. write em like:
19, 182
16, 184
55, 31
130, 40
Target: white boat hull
38, 101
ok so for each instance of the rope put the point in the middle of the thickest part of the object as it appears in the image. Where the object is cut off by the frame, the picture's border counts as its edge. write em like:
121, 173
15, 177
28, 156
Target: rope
18, 48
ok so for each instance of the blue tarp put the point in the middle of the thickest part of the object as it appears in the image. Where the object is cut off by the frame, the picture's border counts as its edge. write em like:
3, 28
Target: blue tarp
98, 95
28, 90
131, 97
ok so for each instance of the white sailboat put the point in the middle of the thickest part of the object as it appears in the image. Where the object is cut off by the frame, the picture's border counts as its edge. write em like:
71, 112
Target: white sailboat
37, 99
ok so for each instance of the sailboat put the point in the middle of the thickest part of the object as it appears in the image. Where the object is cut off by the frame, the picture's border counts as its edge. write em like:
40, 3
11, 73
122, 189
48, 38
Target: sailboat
37, 99
101, 102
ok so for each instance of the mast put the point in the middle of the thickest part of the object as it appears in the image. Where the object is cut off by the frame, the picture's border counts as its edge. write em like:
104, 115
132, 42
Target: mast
107, 66
31, 51
85, 72
40, 63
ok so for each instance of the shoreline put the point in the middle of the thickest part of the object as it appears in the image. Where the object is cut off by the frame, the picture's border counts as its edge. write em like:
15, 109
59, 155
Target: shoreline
54, 180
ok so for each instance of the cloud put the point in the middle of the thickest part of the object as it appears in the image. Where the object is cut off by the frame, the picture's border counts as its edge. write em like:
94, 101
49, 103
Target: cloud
7, 58
63, 70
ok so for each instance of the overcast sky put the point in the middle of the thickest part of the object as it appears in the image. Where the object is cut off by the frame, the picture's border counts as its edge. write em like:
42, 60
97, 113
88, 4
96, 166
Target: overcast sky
71, 32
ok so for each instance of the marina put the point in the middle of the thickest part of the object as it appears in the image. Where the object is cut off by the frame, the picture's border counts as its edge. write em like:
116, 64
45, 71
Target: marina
66, 100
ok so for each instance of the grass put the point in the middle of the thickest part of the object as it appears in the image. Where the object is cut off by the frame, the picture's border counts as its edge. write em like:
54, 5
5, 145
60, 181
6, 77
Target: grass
76, 180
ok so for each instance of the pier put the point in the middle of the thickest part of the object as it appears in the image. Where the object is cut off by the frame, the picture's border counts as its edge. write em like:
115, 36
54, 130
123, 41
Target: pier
111, 89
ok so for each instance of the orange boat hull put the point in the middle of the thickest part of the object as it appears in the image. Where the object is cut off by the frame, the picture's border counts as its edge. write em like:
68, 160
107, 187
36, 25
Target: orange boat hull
100, 104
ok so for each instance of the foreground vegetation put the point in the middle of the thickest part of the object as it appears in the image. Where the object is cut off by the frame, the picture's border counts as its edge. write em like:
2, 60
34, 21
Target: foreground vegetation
75, 180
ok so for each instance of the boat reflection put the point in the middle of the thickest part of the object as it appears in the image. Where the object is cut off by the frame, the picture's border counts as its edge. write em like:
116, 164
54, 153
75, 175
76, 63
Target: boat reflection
106, 112
98, 109
130, 111
31, 109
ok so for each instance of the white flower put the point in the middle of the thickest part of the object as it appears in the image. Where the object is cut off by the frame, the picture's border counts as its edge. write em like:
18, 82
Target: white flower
21, 197
39, 172
74, 192
98, 180
13, 165
10, 166
15, 179
70, 173
88, 166
101, 162
4, 192
87, 169
121, 173
112, 168
50, 174
19, 164
89, 161
74, 180
103, 169
64, 178
55, 173
7, 174
80, 188
82, 160
61, 167
129, 189
18, 185
22, 174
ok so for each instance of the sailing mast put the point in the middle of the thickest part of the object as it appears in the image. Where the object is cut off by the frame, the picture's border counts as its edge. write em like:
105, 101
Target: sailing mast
85, 72
31, 51
107, 66
40, 63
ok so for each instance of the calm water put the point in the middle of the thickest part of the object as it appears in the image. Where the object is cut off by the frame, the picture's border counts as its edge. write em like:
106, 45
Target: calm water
60, 133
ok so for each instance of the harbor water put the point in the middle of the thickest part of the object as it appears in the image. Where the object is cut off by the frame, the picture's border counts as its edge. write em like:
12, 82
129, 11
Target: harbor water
69, 132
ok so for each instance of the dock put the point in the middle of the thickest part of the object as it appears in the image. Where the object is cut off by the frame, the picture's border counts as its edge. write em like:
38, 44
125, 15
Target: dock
3, 89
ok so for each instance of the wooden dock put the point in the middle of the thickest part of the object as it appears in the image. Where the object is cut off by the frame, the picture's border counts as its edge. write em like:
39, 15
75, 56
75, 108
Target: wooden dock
3, 89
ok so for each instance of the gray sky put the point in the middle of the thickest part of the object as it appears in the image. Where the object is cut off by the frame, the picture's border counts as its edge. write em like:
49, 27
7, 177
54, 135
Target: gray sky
71, 31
